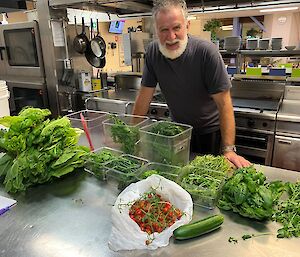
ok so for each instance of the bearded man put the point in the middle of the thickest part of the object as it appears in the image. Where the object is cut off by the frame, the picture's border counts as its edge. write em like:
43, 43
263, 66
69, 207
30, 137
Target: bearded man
194, 81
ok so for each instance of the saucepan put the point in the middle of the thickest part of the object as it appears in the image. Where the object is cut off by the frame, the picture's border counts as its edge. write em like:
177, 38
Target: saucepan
94, 60
81, 41
98, 45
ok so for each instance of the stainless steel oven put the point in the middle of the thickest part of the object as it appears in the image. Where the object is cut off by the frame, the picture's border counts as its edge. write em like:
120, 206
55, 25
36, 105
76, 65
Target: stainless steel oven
255, 145
256, 104
26, 94
20, 50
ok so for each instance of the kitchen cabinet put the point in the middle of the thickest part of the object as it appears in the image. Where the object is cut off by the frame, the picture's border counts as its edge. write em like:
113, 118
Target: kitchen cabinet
286, 152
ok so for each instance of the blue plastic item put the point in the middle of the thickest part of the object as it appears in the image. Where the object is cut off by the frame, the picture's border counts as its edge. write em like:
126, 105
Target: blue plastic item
277, 72
232, 70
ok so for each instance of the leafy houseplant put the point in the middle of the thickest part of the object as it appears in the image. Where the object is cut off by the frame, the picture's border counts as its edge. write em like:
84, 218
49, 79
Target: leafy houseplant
213, 26
252, 33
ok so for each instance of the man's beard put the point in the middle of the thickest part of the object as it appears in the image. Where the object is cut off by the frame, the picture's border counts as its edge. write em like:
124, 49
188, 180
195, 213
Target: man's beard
173, 54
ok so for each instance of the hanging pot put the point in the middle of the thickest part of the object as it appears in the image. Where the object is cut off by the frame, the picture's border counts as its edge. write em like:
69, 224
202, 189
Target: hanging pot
97, 62
81, 41
98, 45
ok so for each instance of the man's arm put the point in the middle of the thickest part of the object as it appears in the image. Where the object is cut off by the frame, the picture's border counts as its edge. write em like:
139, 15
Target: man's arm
227, 127
143, 100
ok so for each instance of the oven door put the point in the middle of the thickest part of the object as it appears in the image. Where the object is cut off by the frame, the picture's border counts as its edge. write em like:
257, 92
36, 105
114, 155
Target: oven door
255, 145
24, 94
21, 50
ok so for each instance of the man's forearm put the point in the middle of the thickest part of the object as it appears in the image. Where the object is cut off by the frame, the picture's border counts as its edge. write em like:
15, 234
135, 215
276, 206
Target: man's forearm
142, 101
227, 124
226, 117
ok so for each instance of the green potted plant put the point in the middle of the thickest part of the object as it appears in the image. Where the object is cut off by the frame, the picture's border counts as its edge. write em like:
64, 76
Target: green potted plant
213, 26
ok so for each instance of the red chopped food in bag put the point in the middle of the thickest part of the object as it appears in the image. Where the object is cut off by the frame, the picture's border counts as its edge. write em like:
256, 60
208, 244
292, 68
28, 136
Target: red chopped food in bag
154, 214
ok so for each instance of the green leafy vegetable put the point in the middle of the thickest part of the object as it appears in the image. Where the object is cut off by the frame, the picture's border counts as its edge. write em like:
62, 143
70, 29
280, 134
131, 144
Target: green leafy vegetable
288, 212
247, 193
164, 146
125, 135
38, 149
204, 176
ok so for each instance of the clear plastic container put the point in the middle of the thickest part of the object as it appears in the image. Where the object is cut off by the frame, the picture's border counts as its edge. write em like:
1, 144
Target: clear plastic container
204, 185
167, 171
96, 165
94, 121
172, 150
122, 171
124, 136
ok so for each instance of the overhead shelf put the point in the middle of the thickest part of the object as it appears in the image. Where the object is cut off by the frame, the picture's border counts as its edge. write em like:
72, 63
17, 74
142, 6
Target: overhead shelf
264, 53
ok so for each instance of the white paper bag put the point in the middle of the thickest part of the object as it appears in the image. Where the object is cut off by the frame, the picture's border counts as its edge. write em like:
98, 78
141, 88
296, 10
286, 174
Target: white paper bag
126, 233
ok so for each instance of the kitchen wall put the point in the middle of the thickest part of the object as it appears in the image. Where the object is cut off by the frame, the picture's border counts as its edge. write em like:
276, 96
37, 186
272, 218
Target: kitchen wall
115, 57
285, 25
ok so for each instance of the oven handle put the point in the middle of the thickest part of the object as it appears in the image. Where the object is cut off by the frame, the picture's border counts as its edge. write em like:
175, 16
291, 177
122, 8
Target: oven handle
8, 53
1, 49
252, 138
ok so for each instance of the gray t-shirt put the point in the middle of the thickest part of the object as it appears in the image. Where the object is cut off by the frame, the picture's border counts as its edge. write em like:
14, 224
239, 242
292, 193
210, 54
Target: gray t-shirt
188, 82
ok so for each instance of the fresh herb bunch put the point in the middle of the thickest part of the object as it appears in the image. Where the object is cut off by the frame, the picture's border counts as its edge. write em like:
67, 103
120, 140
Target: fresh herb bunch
166, 129
124, 168
125, 135
288, 212
247, 193
210, 162
159, 145
166, 174
204, 176
96, 161
38, 149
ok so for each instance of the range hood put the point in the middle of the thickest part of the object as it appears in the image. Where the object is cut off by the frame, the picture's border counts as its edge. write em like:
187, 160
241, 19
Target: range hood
127, 7
12, 6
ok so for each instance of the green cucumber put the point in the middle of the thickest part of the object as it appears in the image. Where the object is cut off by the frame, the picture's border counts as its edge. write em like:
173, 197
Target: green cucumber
198, 228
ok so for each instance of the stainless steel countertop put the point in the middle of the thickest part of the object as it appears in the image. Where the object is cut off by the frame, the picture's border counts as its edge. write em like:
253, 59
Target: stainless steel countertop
71, 218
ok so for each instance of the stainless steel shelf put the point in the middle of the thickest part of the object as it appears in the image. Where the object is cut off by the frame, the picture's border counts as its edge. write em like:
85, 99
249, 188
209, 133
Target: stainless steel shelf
263, 53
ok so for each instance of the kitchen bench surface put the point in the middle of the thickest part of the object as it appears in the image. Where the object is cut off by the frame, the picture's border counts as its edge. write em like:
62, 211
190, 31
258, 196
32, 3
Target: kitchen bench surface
71, 218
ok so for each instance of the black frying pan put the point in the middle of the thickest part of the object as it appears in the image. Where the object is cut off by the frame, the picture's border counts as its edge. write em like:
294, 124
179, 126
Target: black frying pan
98, 44
92, 59
81, 41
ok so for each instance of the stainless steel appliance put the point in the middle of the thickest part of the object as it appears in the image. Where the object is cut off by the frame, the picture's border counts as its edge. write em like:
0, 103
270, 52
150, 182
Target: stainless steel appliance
287, 138
256, 104
26, 94
21, 65
21, 52
122, 101
134, 49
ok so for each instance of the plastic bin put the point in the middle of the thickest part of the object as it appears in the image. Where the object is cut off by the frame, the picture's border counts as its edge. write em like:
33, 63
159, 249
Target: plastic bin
167, 171
122, 172
97, 165
204, 185
172, 150
125, 136
94, 121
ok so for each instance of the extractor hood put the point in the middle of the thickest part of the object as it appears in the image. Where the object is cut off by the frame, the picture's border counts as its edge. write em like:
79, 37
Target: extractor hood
12, 6
127, 7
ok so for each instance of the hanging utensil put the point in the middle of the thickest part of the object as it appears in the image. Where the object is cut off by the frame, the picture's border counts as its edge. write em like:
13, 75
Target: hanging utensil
98, 45
81, 41
93, 60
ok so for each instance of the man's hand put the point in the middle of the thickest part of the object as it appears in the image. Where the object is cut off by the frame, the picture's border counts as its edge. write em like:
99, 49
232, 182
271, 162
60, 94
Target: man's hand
237, 160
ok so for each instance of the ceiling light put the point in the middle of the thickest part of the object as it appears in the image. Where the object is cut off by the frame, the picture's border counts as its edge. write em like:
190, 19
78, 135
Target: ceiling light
228, 27
279, 9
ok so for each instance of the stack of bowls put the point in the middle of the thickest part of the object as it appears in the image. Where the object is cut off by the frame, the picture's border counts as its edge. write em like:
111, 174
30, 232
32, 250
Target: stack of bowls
264, 43
252, 43
232, 43
276, 43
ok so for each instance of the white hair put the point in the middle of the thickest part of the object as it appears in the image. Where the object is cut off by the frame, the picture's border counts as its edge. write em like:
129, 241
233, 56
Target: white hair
159, 5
